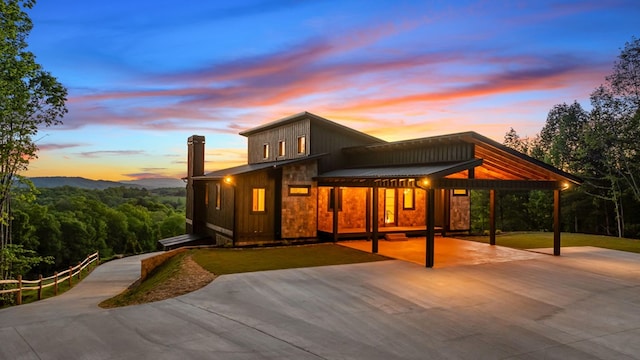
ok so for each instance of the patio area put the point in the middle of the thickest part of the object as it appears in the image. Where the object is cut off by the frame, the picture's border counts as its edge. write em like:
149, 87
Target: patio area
448, 251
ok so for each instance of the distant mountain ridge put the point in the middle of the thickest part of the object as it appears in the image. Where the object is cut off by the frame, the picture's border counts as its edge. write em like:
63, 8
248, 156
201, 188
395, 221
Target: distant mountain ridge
83, 183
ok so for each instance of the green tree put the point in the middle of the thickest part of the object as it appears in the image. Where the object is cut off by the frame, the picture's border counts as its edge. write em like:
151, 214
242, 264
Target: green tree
560, 136
30, 98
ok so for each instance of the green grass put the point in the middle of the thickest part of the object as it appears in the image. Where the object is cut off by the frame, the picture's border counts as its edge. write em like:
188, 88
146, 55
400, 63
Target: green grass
534, 240
229, 261
136, 292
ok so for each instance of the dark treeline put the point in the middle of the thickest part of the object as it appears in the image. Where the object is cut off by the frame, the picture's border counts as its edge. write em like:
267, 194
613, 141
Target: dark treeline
68, 223
600, 145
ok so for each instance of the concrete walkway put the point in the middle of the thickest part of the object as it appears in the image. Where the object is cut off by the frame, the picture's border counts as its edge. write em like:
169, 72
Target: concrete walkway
583, 305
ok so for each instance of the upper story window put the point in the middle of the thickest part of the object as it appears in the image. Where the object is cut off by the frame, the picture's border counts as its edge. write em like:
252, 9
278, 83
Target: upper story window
302, 145
281, 148
265, 151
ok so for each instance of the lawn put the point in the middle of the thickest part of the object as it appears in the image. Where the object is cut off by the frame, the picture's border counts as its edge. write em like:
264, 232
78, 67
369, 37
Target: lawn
222, 261
533, 240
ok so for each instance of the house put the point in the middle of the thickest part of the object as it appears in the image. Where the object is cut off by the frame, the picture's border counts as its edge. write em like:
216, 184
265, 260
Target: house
310, 178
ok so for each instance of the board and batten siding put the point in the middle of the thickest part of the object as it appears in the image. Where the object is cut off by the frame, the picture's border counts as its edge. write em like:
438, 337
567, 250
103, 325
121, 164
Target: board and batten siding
254, 227
418, 155
220, 220
330, 140
288, 132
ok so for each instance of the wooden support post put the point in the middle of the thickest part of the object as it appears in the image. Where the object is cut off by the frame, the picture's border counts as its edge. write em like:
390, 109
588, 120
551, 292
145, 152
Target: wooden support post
70, 276
556, 222
430, 219
374, 239
40, 287
335, 213
55, 283
19, 293
492, 217
80, 271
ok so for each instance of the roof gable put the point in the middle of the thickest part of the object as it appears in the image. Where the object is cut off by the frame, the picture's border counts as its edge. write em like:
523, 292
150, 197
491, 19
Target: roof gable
316, 120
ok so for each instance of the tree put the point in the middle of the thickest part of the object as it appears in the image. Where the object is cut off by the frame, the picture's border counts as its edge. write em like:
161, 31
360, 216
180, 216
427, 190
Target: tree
560, 136
30, 98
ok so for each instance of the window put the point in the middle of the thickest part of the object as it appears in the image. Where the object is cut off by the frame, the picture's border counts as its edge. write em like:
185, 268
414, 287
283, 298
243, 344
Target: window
265, 151
302, 145
281, 148
299, 190
331, 196
460, 192
408, 199
218, 196
258, 200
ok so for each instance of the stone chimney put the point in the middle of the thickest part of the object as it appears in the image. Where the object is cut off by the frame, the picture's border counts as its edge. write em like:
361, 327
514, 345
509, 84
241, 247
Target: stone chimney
196, 207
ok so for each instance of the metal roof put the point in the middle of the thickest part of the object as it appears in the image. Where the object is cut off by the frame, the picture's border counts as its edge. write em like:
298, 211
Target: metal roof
247, 168
398, 172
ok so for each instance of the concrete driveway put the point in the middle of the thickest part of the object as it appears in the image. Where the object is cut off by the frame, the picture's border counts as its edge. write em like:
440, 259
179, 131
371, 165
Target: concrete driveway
583, 305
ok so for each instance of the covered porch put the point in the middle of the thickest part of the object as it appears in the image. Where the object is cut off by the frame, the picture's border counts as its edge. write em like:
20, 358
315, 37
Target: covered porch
436, 166
450, 251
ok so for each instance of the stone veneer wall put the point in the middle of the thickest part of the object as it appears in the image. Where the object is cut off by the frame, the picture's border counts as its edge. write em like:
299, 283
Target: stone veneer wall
415, 217
299, 212
352, 215
460, 213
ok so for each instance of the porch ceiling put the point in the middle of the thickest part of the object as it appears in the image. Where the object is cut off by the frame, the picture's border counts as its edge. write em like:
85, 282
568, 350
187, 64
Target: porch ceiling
393, 176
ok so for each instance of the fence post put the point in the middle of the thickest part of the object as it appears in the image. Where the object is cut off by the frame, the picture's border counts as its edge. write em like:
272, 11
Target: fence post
55, 283
40, 287
80, 270
19, 293
70, 276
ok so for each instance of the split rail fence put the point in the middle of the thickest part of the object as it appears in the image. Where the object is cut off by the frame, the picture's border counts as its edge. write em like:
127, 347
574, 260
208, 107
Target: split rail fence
53, 280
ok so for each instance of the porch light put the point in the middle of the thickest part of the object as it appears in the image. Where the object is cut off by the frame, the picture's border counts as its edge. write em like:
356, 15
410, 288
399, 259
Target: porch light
228, 180
565, 185
424, 182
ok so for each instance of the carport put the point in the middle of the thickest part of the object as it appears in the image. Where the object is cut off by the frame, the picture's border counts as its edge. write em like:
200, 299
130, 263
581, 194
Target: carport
463, 162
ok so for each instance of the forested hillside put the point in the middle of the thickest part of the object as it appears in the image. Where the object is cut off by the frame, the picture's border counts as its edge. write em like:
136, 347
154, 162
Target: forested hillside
67, 223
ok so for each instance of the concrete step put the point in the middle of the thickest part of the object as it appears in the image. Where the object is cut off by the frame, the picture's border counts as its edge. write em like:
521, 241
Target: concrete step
395, 237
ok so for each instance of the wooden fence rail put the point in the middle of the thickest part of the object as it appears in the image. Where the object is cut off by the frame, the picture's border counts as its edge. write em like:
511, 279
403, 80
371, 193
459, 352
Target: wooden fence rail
53, 280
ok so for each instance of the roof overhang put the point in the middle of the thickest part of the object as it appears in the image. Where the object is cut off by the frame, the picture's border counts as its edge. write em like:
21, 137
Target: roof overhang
393, 176
248, 168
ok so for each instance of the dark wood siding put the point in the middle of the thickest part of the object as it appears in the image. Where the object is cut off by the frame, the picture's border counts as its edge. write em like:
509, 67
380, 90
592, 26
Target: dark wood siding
222, 217
420, 155
255, 227
289, 133
325, 139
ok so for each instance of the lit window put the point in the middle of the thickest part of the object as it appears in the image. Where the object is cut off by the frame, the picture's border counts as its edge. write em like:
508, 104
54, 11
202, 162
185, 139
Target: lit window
281, 148
408, 199
302, 145
460, 192
299, 190
265, 151
218, 195
258, 200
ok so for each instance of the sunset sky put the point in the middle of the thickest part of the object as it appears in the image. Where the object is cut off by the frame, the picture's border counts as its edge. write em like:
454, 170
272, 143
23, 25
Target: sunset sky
143, 76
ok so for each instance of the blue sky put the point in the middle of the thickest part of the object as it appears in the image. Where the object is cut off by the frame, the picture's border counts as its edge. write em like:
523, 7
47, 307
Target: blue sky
145, 75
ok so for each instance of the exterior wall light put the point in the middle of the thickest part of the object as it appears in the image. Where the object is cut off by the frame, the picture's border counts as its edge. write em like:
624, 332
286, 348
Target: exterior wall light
228, 180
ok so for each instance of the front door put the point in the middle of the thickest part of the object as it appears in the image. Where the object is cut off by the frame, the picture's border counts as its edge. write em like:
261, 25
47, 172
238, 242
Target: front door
390, 207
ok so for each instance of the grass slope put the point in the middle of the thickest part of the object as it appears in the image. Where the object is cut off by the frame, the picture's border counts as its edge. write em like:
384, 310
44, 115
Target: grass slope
228, 261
